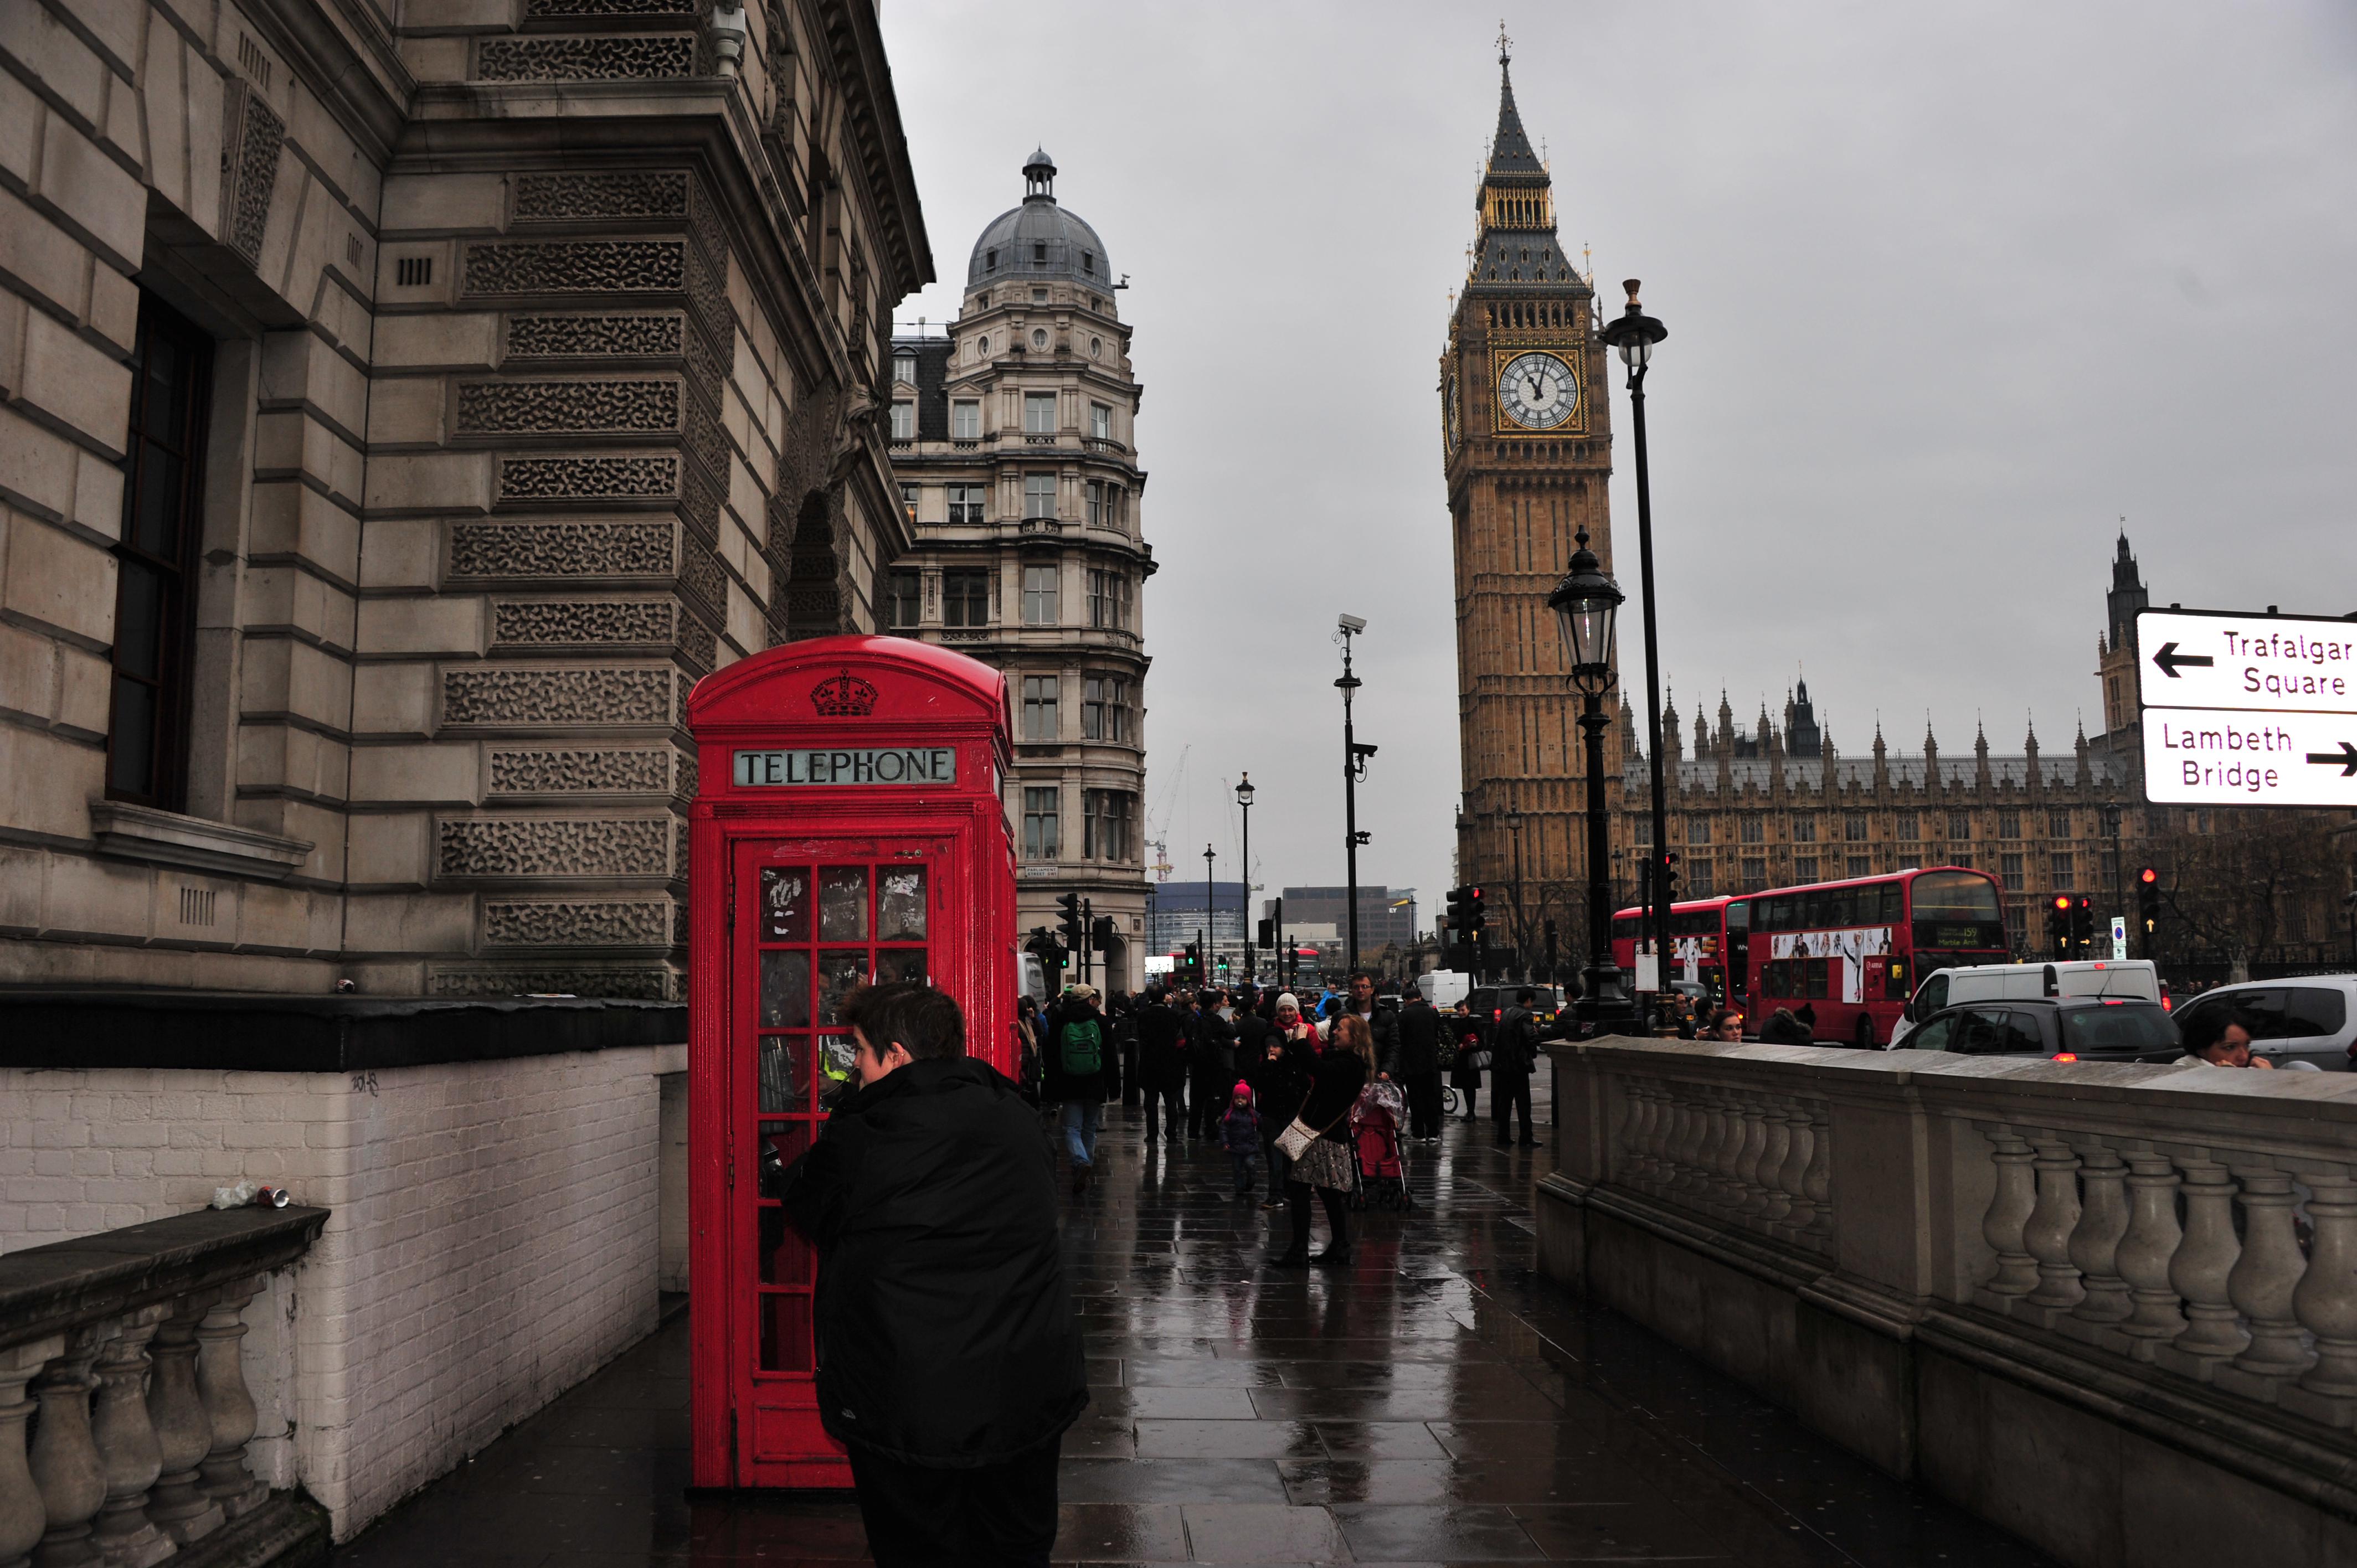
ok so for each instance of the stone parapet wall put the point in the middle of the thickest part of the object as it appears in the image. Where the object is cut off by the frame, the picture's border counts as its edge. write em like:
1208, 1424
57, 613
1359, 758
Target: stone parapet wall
2110, 1308
494, 1237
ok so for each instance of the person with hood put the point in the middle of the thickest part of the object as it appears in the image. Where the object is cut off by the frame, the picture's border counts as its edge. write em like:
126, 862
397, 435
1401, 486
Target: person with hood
949, 1363
1782, 1030
1240, 1135
1082, 1074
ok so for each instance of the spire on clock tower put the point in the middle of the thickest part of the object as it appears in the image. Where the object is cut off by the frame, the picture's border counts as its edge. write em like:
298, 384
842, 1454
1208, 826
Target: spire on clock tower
1517, 242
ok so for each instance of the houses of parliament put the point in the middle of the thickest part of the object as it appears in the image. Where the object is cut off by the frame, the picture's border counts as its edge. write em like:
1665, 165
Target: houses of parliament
1765, 802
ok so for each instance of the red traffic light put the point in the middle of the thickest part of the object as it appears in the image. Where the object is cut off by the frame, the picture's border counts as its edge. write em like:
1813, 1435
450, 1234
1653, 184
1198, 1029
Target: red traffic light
2063, 901
2086, 902
2147, 877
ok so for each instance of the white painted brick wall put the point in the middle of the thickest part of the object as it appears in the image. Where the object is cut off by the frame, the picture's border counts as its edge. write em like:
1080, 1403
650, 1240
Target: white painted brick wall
495, 1238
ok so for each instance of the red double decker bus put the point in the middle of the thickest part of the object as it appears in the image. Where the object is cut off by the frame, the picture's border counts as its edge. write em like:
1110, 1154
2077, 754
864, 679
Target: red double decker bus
1851, 951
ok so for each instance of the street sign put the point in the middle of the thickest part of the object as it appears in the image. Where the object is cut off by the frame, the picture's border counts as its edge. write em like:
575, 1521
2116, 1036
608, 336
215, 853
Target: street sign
2119, 938
2244, 710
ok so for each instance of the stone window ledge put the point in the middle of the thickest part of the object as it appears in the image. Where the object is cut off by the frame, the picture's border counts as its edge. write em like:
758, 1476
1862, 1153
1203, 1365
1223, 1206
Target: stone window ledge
168, 838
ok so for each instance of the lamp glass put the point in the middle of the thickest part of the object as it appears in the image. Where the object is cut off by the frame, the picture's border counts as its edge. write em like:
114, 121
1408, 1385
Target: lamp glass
1587, 627
1244, 793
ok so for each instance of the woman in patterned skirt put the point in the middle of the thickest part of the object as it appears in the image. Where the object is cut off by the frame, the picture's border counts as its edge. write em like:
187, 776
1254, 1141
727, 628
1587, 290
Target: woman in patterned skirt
1342, 1070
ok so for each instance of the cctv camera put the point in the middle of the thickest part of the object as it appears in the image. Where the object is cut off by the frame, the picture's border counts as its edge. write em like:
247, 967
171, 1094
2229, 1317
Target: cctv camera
1351, 623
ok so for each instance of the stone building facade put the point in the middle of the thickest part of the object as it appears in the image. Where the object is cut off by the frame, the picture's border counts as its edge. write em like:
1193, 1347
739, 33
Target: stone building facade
1526, 470
404, 405
1014, 441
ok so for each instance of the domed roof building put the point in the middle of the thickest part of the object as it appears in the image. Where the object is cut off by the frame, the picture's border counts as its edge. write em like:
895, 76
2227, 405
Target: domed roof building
1013, 437
1040, 240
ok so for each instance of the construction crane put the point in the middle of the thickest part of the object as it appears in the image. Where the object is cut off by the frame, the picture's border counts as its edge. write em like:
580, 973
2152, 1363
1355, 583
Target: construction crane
1158, 820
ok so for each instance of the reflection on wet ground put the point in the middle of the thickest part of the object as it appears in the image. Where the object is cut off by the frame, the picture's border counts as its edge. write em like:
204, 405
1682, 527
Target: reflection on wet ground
1436, 1402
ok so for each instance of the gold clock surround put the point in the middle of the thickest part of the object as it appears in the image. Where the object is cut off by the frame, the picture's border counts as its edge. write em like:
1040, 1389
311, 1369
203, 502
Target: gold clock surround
1502, 354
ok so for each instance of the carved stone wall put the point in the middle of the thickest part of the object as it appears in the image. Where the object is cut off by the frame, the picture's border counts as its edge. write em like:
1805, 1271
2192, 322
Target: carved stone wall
619, 770
571, 923
503, 847
513, 698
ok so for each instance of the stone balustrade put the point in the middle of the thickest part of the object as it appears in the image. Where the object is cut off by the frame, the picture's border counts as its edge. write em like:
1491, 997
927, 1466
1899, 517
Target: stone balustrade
124, 1412
1972, 1268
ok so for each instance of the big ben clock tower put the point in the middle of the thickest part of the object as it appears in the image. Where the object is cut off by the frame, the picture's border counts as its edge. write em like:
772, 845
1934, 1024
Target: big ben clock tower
1527, 447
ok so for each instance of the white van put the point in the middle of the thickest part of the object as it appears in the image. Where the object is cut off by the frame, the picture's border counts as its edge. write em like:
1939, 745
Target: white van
2127, 977
1443, 987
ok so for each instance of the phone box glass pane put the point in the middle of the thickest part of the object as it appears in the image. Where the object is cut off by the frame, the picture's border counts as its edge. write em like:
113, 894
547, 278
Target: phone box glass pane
786, 1073
780, 1144
785, 1333
842, 904
785, 1256
907, 964
785, 904
900, 904
785, 989
838, 972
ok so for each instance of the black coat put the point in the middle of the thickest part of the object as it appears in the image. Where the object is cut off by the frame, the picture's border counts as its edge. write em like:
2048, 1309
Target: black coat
1415, 1047
945, 1336
1055, 1083
1162, 1047
1282, 1085
1336, 1081
1513, 1045
1215, 1052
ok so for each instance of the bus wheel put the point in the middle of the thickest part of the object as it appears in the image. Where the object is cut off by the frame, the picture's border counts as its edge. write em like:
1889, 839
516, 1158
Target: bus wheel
1866, 1034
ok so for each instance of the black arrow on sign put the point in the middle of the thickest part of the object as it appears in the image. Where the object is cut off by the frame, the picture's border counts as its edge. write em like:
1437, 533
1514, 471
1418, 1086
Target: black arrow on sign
2345, 759
2168, 659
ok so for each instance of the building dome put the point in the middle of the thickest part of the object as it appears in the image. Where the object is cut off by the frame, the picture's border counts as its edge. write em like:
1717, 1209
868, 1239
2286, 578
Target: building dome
1040, 240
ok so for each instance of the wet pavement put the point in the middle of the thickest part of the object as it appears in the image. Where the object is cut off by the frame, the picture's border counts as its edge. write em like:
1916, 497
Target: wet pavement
1434, 1402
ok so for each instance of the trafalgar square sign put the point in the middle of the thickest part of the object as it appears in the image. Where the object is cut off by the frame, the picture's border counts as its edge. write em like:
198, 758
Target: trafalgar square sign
2248, 709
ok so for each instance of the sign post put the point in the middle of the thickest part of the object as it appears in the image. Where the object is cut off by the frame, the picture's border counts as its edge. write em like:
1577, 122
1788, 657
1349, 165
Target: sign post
2119, 938
2248, 709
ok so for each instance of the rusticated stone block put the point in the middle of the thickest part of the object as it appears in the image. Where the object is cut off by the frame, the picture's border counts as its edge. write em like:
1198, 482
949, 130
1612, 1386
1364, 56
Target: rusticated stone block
612, 194
583, 59
551, 622
567, 408
537, 8
576, 266
517, 697
622, 770
564, 550
569, 923
634, 984
614, 335
635, 478
552, 846
253, 135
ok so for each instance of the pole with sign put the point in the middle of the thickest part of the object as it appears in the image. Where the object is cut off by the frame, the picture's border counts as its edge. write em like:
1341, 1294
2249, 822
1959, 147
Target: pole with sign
2248, 709
2119, 938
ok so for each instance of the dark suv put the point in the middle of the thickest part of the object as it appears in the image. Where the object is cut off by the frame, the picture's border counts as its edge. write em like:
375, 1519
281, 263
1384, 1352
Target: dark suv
2070, 1028
1489, 1002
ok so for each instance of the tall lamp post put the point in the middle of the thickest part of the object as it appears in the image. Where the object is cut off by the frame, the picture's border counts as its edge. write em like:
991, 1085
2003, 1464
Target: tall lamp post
1634, 334
1244, 800
1586, 604
1354, 768
1211, 919
1522, 932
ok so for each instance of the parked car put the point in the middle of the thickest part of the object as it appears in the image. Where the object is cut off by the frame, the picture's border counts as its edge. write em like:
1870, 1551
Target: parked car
1995, 982
1488, 1002
2311, 1019
2067, 1028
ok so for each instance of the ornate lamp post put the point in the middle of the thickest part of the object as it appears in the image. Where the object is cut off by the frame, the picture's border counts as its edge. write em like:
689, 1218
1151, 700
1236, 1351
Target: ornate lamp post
1244, 800
1586, 603
1634, 334
1211, 919
1354, 768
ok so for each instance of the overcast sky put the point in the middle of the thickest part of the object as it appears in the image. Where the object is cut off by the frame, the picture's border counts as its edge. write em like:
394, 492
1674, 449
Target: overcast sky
1950, 290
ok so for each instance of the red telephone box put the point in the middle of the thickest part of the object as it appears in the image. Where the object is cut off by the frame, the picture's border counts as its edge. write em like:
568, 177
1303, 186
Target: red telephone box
847, 826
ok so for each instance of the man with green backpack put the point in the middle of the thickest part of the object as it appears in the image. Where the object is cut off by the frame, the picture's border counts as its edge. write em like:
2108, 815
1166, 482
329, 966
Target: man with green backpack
1083, 1072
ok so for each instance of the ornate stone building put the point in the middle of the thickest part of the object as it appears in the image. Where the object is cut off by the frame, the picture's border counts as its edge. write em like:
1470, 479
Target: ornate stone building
1015, 440
1526, 440
404, 406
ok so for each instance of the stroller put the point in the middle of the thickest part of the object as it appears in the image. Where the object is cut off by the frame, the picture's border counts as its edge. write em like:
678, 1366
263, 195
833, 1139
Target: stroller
1375, 1140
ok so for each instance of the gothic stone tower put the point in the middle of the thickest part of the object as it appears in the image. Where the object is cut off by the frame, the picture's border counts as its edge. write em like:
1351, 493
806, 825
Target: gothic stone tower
1528, 450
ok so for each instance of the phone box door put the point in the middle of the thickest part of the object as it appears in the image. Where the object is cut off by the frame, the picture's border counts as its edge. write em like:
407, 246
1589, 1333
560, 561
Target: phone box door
848, 829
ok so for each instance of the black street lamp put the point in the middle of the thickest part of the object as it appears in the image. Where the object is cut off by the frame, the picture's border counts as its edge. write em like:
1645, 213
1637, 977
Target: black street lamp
1634, 334
1211, 919
1522, 930
1586, 604
1354, 768
1244, 800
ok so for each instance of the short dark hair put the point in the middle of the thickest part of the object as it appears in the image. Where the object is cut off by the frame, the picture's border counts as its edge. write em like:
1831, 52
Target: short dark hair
1366, 975
1526, 994
2238, 1019
920, 1020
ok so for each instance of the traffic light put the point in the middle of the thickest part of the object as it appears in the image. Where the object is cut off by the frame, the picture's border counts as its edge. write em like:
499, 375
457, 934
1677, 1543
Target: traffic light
1100, 934
1195, 963
1474, 919
1267, 933
2082, 928
2148, 899
2058, 926
1075, 932
1454, 921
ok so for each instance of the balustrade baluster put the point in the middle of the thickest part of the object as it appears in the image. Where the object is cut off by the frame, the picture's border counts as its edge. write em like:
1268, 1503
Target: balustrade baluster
2009, 1213
1643, 1158
228, 1406
1623, 1141
1776, 1147
2264, 1278
2046, 1236
2199, 1272
2095, 1240
126, 1444
2147, 1249
1655, 1167
22, 1516
179, 1503
1817, 1180
1800, 1211
1690, 1145
1752, 1199
64, 1459
1719, 1188
2325, 1301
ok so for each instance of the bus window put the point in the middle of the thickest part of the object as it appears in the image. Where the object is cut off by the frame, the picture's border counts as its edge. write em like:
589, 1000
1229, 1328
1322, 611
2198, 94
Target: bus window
1956, 896
1739, 916
1817, 976
1893, 904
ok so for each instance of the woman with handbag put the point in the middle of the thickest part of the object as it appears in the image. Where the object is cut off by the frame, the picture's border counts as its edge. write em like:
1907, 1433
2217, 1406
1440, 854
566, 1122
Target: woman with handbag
1318, 1142
1289, 1063
1472, 1056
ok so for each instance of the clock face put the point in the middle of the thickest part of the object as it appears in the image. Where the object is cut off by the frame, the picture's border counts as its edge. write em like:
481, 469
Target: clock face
1448, 411
1538, 391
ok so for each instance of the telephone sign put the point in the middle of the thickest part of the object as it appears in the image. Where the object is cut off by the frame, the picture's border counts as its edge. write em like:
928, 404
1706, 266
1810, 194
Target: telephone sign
2248, 709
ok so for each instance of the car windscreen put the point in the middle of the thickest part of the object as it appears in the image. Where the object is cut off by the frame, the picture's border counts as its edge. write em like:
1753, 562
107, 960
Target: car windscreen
2109, 1029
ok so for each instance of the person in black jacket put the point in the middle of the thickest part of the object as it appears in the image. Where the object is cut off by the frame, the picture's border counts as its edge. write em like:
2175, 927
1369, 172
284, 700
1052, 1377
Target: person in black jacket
948, 1365
1414, 1065
1162, 1056
1213, 1072
1514, 1057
